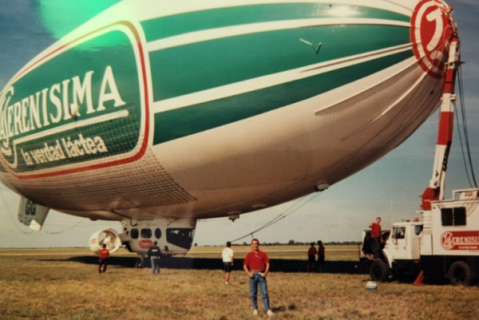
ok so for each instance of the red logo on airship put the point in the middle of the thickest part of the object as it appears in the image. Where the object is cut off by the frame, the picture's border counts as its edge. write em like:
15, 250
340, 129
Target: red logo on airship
145, 244
430, 34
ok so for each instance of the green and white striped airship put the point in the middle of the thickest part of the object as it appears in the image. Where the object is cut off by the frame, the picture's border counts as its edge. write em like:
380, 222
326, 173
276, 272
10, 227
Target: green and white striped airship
158, 113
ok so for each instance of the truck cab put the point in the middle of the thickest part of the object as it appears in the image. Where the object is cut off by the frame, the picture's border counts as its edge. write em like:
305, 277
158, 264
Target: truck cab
404, 242
400, 254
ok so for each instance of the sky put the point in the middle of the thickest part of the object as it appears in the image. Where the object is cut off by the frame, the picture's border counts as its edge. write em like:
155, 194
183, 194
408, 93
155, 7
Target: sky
390, 188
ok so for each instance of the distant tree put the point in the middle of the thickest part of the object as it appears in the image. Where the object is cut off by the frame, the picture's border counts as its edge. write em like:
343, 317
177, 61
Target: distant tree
291, 242
196, 244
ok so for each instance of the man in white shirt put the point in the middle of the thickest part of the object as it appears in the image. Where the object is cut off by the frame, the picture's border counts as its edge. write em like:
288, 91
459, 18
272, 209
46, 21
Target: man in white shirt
227, 261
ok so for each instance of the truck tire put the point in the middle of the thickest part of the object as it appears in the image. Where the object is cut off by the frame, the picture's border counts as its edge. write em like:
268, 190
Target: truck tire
379, 271
460, 273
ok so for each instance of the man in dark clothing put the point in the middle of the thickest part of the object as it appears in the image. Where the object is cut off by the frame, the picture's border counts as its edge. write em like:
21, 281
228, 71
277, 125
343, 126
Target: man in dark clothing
320, 256
311, 257
154, 253
102, 263
376, 237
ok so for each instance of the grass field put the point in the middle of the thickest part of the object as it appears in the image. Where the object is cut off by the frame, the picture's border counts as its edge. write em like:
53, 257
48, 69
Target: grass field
64, 284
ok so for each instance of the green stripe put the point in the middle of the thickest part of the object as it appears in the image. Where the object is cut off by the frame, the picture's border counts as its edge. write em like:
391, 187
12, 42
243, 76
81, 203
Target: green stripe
178, 123
199, 66
164, 27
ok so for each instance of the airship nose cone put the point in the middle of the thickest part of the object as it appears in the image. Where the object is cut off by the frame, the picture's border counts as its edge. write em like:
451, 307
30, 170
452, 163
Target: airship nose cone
432, 30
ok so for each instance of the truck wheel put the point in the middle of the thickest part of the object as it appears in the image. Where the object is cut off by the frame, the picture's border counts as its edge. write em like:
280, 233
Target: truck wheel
379, 271
460, 273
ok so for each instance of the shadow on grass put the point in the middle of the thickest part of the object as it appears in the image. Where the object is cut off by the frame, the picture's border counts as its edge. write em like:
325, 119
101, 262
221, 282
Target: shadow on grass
277, 265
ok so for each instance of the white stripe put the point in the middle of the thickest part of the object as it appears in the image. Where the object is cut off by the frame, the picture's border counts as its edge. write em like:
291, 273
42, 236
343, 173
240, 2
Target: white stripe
401, 3
218, 33
95, 120
152, 9
272, 80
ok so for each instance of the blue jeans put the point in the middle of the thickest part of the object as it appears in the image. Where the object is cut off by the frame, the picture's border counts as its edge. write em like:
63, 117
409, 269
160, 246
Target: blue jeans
155, 264
253, 289
102, 265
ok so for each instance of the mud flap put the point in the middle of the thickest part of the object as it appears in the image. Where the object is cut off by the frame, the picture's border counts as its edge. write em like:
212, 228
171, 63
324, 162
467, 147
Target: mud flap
31, 214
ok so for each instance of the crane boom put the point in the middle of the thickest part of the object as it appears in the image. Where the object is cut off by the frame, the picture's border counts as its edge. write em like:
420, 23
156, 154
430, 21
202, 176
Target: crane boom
435, 190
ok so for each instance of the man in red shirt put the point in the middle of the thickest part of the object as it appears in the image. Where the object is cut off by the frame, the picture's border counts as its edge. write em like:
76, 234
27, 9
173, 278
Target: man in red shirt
256, 266
104, 255
376, 237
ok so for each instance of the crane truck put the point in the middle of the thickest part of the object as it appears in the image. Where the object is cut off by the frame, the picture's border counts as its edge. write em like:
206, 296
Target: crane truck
445, 244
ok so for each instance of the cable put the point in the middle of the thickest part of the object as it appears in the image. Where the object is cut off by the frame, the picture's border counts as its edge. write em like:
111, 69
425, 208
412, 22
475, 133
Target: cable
58, 232
456, 114
466, 134
287, 214
65, 224
24, 232
279, 217
282, 215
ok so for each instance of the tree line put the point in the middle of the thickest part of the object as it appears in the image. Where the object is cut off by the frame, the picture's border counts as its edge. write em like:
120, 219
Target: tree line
292, 243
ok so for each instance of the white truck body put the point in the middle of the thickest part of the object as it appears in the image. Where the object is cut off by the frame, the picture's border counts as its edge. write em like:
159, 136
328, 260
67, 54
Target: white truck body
451, 228
445, 245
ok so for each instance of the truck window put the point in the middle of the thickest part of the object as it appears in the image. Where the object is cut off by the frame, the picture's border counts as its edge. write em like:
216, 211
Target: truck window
399, 232
418, 230
453, 216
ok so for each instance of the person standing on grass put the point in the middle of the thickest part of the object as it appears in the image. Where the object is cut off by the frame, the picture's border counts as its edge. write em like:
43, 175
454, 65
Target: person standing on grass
311, 257
102, 262
227, 261
376, 237
256, 266
320, 256
154, 253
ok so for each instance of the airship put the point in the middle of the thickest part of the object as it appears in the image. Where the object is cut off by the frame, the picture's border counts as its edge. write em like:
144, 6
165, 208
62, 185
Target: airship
159, 113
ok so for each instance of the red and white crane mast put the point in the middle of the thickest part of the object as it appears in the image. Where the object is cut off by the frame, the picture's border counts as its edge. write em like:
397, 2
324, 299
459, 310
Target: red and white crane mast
435, 190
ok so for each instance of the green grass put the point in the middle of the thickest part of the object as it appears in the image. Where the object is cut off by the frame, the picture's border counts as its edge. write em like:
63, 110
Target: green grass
54, 287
